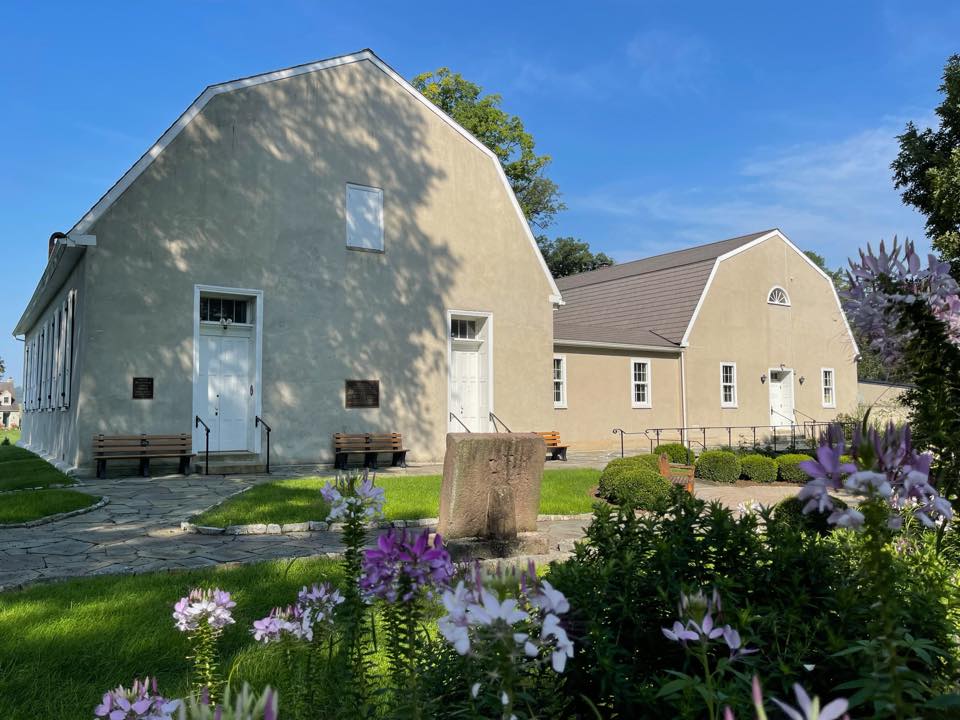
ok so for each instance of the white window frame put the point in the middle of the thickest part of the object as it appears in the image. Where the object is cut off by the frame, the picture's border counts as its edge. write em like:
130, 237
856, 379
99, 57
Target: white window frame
346, 213
833, 388
562, 402
634, 403
785, 294
730, 403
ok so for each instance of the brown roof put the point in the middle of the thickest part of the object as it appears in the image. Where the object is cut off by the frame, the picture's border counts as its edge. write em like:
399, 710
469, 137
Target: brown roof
644, 302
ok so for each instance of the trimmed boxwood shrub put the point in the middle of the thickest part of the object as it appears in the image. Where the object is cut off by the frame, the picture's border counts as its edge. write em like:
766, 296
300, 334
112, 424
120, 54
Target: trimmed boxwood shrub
759, 468
677, 452
631, 484
718, 465
790, 511
789, 465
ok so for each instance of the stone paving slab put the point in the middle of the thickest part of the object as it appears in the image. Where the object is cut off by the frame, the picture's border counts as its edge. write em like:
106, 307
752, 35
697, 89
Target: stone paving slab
140, 529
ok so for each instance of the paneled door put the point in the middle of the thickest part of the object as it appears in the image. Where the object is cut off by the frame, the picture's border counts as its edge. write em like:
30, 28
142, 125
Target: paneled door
781, 397
465, 388
225, 374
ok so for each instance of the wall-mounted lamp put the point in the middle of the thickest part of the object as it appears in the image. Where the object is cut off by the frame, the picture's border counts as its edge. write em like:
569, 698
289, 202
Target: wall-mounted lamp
802, 379
763, 378
782, 366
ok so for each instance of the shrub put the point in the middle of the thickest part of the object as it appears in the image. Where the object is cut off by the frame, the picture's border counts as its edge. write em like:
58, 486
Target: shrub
759, 468
630, 484
6, 441
645, 461
718, 465
789, 465
677, 452
790, 510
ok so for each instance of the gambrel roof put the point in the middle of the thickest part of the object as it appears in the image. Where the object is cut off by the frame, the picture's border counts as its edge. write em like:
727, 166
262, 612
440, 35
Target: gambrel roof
650, 303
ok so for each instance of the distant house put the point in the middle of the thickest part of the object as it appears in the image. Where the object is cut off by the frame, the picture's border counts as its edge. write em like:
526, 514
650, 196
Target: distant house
320, 247
746, 334
9, 406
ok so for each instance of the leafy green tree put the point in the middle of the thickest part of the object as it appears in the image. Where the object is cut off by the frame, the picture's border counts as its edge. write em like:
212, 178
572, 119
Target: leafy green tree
504, 134
3, 368
569, 256
927, 169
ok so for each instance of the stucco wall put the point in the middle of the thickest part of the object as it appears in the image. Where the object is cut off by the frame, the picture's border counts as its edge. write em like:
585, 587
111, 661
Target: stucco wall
599, 393
884, 401
53, 433
736, 324
251, 195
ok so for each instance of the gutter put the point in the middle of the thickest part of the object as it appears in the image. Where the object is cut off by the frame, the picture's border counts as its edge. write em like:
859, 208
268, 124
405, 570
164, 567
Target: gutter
618, 346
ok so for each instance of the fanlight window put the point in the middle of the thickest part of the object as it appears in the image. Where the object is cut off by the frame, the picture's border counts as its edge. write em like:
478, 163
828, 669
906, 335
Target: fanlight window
778, 296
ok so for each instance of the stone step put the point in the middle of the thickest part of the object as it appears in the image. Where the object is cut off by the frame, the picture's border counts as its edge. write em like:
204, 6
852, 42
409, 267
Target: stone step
232, 464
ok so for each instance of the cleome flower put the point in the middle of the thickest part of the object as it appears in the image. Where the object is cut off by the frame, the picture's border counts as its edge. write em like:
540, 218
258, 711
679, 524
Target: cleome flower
344, 497
402, 566
699, 625
141, 702
210, 607
319, 602
291, 622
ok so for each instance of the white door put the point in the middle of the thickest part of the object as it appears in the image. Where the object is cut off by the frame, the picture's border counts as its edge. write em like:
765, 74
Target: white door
465, 387
781, 397
226, 380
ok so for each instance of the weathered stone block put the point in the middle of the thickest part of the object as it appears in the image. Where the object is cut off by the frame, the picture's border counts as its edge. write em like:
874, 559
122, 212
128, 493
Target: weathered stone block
491, 484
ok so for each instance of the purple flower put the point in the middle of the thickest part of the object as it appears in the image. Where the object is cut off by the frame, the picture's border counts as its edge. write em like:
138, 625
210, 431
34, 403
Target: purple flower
349, 496
405, 564
291, 622
319, 602
699, 625
204, 606
140, 702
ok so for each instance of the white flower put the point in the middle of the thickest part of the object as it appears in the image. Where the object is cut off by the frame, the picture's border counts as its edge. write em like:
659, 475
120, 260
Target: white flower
493, 610
550, 600
562, 646
475, 690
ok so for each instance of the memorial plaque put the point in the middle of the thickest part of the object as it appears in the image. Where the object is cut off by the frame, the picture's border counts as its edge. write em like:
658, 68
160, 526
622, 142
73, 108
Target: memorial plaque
362, 393
143, 388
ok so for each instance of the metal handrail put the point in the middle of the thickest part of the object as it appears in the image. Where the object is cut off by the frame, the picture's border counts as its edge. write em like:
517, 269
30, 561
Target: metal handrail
461, 422
495, 419
197, 422
808, 417
257, 421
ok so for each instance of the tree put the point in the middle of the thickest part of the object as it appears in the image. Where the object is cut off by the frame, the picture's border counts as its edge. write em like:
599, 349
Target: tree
927, 169
504, 134
569, 256
838, 277
3, 368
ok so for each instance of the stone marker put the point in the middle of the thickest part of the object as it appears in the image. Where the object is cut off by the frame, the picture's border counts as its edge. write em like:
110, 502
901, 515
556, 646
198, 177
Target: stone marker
491, 485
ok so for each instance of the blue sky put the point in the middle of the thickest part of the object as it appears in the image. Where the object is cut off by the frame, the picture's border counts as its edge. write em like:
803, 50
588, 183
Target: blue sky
670, 123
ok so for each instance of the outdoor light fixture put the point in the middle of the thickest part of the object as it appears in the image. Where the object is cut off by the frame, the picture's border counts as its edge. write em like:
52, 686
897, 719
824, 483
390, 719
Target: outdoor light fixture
802, 378
763, 378
225, 322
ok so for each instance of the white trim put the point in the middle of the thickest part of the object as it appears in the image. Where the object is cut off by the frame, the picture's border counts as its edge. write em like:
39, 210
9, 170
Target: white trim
785, 295
649, 383
257, 341
616, 346
793, 394
772, 234
683, 396
833, 388
97, 211
488, 329
736, 394
560, 404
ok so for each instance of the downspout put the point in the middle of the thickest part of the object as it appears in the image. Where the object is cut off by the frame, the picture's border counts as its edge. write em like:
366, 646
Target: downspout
683, 397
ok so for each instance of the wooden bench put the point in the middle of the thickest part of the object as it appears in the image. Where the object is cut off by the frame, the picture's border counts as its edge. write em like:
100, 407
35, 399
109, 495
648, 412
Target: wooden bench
676, 473
142, 448
370, 445
554, 447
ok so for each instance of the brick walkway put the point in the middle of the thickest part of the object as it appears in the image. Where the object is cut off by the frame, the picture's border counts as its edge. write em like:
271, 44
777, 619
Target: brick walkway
138, 531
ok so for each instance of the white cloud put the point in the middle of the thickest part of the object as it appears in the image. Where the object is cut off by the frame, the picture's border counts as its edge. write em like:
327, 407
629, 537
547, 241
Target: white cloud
829, 197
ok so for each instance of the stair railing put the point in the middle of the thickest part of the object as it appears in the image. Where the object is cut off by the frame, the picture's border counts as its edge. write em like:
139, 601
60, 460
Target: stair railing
197, 422
257, 422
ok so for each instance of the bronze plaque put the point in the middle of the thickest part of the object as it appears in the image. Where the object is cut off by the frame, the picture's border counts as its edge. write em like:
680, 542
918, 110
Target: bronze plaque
362, 393
143, 388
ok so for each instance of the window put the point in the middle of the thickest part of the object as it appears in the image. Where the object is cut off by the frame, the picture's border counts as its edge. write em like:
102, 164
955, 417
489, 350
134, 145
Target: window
728, 385
778, 296
461, 329
640, 383
364, 218
559, 381
218, 309
828, 393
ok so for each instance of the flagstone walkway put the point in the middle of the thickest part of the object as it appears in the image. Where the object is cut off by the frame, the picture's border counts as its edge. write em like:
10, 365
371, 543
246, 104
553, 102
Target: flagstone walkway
138, 531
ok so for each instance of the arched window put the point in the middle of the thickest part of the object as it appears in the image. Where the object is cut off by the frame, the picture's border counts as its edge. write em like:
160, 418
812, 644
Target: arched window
778, 296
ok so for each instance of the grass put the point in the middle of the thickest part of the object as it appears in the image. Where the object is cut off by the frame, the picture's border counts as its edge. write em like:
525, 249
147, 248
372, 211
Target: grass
26, 505
62, 645
13, 435
21, 468
564, 492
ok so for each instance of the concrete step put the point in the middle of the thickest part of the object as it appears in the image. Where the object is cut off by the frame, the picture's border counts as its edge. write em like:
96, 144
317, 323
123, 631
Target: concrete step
231, 464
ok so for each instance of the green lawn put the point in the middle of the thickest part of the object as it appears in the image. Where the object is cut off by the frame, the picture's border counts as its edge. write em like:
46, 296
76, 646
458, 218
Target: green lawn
62, 645
26, 505
564, 492
12, 435
21, 468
